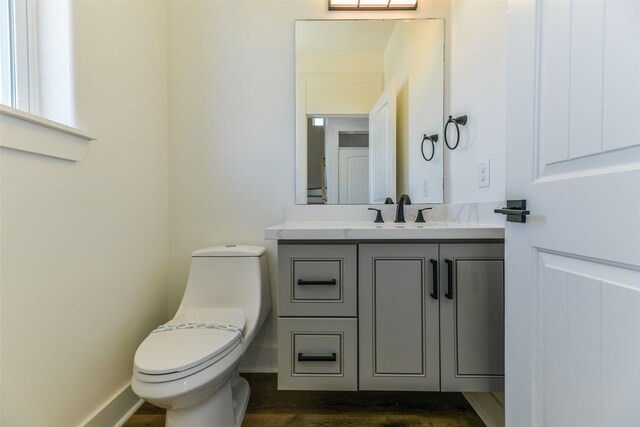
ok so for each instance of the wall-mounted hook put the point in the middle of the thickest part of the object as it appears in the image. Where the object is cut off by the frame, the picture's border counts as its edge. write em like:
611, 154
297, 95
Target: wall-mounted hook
457, 121
433, 138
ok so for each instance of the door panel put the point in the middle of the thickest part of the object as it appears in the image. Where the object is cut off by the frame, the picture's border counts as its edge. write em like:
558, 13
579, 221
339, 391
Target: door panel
334, 127
398, 298
479, 317
588, 311
472, 321
382, 146
398, 319
353, 176
586, 81
621, 68
573, 269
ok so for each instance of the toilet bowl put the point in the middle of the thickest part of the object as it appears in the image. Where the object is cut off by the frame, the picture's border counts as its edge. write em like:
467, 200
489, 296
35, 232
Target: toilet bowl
190, 364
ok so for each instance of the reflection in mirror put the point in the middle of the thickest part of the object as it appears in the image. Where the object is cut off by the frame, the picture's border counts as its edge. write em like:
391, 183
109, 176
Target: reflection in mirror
366, 93
346, 139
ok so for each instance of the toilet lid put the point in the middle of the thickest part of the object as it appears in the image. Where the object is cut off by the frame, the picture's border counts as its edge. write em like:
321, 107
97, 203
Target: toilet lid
176, 350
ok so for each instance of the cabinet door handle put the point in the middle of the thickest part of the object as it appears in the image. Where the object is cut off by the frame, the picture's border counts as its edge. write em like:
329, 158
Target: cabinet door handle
316, 282
434, 265
449, 293
328, 358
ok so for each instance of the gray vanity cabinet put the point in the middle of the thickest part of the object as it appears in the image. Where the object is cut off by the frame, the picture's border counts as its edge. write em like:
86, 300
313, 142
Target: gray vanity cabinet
423, 316
398, 317
472, 317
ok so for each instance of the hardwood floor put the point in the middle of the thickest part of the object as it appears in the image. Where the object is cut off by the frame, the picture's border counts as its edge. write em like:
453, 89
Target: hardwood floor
269, 407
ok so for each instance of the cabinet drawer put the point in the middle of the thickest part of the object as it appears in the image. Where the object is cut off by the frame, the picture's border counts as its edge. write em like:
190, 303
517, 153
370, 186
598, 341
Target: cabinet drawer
317, 280
317, 354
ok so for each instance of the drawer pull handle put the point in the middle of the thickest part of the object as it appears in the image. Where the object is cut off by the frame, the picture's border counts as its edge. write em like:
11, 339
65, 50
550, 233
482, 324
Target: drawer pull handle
303, 358
316, 282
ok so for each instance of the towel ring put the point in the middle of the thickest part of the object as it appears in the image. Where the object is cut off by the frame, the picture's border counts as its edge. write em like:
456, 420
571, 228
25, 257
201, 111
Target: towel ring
433, 138
458, 121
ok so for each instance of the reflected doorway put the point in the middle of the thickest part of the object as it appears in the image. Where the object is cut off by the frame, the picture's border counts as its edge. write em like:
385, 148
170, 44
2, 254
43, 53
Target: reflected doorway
338, 160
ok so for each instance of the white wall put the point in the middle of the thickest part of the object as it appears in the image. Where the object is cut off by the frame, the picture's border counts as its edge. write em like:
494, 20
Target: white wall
478, 88
84, 245
415, 58
352, 62
232, 132
478, 71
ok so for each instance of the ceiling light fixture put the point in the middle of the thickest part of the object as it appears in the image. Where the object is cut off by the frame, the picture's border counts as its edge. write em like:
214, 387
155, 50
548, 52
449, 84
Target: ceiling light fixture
373, 4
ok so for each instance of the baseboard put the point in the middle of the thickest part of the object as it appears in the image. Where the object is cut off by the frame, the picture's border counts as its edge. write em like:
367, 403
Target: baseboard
116, 411
489, 406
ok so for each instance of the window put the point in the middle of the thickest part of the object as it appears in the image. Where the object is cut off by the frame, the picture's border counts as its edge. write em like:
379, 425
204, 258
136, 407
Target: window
18, 56
36, 79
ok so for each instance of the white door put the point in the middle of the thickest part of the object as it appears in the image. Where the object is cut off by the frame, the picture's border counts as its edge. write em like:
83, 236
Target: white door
573, 270
334, 127
353, 176
382, 146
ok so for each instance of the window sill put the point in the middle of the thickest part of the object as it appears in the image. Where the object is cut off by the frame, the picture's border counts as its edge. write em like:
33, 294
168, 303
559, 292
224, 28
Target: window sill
33, 134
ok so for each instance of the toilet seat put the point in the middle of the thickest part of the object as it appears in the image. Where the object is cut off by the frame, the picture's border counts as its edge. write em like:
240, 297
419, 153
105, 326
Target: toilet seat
177, 353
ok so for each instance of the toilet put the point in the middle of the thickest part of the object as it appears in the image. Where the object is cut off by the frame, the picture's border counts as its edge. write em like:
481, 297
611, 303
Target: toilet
190, 364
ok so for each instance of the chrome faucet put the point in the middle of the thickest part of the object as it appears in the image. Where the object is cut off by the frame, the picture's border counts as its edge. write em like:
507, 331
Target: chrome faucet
403, 200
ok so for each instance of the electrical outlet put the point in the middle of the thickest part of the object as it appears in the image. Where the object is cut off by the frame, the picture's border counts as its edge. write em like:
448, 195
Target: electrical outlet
484, 172
425, 187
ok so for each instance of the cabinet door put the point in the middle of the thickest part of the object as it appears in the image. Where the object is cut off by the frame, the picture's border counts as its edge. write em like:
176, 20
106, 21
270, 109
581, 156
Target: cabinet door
398, 317
472, 317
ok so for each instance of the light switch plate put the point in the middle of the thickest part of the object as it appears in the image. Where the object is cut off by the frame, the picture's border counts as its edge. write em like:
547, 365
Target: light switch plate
425, 187
484, 172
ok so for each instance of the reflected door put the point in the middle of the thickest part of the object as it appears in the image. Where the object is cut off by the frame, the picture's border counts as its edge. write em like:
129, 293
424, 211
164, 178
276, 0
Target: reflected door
382, 146
353, 176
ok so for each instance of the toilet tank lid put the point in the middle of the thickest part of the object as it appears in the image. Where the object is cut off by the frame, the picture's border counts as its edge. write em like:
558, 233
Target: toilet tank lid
230, 250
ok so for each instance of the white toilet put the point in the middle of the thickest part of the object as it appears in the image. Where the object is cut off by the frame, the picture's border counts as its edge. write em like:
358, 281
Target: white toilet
190, 365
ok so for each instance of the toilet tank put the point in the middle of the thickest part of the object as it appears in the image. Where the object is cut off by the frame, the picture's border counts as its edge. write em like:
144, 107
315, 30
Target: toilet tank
231, 276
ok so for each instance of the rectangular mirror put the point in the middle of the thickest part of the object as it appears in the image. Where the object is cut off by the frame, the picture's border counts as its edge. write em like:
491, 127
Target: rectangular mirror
368, 92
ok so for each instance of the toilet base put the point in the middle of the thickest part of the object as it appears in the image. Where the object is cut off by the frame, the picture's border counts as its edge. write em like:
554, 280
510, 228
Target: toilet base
225, 408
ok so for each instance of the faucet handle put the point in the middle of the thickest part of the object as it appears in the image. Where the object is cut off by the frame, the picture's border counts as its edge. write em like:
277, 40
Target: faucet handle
420, 218
388, 201
378, 215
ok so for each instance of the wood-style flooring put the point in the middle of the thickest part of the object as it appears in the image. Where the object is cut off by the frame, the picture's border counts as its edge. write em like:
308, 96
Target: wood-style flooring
269, 407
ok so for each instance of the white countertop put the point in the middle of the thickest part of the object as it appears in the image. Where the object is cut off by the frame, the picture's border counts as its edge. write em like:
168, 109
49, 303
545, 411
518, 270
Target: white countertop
361, 230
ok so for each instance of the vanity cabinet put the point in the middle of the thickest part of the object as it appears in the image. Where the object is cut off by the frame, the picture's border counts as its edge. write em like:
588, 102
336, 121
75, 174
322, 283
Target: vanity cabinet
364, 315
